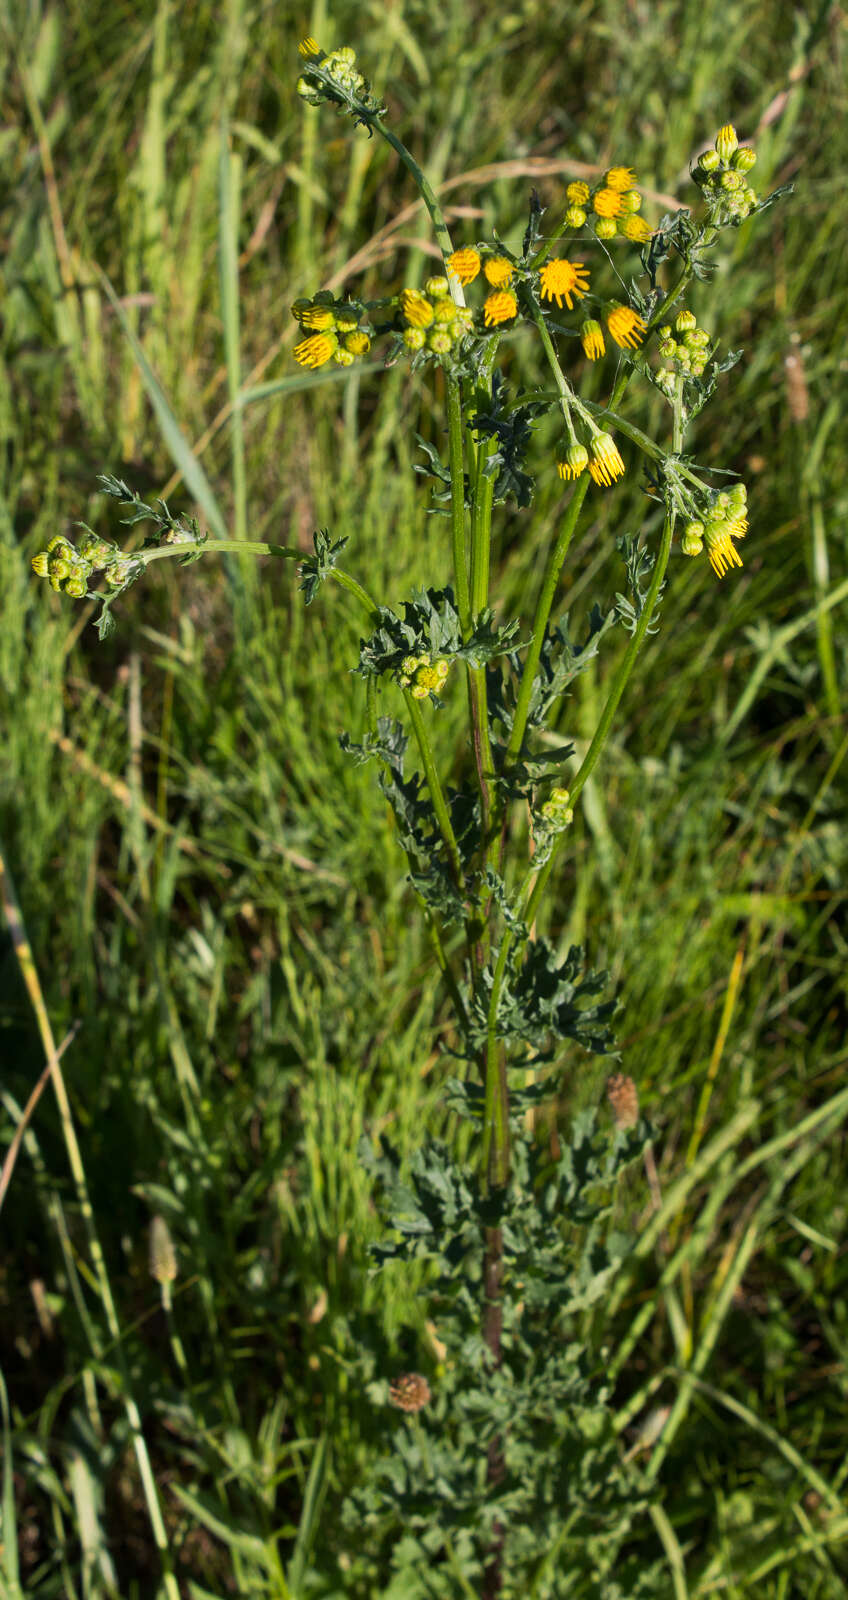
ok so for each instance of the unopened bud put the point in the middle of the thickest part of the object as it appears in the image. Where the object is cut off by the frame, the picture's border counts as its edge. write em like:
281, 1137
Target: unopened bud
744, 158
692, 539
605, 228
727, 142
575, 217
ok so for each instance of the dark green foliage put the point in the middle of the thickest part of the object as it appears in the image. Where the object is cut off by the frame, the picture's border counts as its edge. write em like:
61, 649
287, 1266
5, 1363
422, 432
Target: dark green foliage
511, 425
315, 569
431, 623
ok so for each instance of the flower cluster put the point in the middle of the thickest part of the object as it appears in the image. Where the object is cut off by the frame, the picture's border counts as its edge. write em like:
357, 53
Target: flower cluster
557, 809
724, 518
334, 76
602, 458
421, 676
614, 205
333, 332
431, 320
687, 353
721, 175
69, 567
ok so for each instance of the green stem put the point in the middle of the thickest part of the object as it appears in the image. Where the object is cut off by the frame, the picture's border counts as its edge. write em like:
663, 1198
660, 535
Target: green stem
437, 216
619, 684
434, 785
457, 472
544, 603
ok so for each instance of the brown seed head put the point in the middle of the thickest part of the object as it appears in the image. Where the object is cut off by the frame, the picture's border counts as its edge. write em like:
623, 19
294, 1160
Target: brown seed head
624, 1100
410, 1392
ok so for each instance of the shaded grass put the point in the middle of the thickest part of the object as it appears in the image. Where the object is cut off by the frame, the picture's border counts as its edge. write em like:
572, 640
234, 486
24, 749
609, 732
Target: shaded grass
254, 992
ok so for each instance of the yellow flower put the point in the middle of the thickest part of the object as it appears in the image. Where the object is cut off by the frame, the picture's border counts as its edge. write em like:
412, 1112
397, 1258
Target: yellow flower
308, 47
319, 318
358, 343
626, 326
575, 461
727, 143
497, 271
501, 306
606, 464
465, 264
577, 193
636, 229
39, 564
592, 340
606, 203
562, 279
416, 308
723, 552
620, 178
315, 350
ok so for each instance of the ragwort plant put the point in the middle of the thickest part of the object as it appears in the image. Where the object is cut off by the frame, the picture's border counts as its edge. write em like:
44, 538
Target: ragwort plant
505, 1473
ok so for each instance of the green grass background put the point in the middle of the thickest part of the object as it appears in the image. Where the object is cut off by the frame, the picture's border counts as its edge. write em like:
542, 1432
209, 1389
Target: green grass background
213, 892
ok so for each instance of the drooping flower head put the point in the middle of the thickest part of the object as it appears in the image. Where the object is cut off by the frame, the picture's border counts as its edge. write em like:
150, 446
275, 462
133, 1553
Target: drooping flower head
592, 339
606, 464
572, 462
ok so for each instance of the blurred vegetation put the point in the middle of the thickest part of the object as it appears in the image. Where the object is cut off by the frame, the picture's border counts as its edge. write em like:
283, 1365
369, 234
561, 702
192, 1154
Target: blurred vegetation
211, 891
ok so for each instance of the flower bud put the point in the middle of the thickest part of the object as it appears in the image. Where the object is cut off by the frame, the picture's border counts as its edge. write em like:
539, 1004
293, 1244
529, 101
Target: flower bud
592, 339
436, 287
498, 271
358, 343
346, 319
444, 312
710, 161
343, 358
577, 193
575, 461
667, 349
636, 229
415, 338
40, 564
692, 539
97, 552
726, 142
631, 202
439, 340
307, 92
77, 588
605, 228
732, 182
575, 217
685, 320
744, 158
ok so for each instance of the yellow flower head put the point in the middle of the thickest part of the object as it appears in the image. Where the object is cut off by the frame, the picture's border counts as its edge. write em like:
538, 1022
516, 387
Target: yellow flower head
561, 279
319, 318
308, 47
723, 552
314, 351
501, 306
577, 193
40, 564
465, 264
727, 143
343, 358
606, 464
620, 178
636, 229
498, 271
573, 462
358, 343
606, 203
416, 308
592, 339
626, 326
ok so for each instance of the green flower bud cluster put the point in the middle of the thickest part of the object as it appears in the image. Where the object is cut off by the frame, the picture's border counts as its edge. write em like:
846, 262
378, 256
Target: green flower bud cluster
334, 76
421, 676
556, 809
430, 319
69, 567
333, 330
684, 347
720, 173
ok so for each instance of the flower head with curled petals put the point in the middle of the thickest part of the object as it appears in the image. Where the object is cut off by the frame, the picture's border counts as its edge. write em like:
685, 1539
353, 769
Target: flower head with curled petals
465, 264
500, 306
626, 326
722, 550
636, 229
560, 280
606, 464
606, 203
498, 271
577, 193
572, 462
592, 339
620, 178
314, 351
